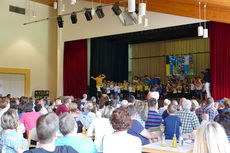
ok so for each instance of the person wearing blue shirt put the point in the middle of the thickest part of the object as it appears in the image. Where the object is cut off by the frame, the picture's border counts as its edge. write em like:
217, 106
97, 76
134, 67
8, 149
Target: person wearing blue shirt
68, 128
172, 123
138, 130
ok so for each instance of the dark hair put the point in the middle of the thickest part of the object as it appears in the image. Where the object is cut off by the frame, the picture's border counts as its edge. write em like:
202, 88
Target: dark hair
37, 107
227, 104
47, 127
224, 120
132, 110
20, 108
3, 104
28, 107
121, 119
13, 105
66, 123
131, 99
152, 102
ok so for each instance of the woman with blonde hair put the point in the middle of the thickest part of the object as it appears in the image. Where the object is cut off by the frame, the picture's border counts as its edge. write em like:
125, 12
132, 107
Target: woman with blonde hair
211, 138
142, 110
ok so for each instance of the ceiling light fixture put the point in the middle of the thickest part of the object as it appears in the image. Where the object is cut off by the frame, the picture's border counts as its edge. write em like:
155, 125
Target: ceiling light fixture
73, 17
205, 28
99, 12
88, 14
200, 27
131, 5
73, 2
55, 5
142, 8
63, 7
116, 9
60, 21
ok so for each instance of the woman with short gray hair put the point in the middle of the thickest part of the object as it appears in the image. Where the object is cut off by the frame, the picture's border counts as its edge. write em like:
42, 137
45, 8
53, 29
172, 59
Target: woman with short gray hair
101, 127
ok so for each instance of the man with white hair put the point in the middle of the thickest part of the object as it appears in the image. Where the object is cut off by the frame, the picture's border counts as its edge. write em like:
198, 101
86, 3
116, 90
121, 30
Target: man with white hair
153, 94
189, 120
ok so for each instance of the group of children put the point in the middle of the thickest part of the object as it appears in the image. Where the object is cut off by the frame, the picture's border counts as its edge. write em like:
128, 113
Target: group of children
139, 87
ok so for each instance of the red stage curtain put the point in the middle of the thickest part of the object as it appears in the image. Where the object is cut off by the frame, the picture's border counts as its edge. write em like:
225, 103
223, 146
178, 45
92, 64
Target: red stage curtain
220, 59
75, 68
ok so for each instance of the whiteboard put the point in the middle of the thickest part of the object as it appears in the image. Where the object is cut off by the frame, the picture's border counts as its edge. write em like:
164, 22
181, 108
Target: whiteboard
13, 84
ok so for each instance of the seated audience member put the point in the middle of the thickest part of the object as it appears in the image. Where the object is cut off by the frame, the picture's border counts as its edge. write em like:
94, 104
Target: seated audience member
142, 110
64, 106
188, 119
101, 127
38, 108
153, 94
120, 141
166, 103
68, 128
14, 104
4, 106
29, 117
88, 115
43, 109
226, 107
137, 129
165, 113
207, 109
11, 141
131, 99
84, 100
194, 106
47, 129
171, 122
124, 103
154, 118
73, 110
205, 119
224, 120
211, 138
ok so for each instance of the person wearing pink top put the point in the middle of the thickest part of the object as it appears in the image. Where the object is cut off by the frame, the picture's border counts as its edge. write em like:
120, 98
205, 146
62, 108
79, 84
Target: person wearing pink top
29, 117
64, 106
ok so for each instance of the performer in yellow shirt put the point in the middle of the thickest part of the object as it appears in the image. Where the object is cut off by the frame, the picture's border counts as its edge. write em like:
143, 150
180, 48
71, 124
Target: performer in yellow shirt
99, 79
125, 88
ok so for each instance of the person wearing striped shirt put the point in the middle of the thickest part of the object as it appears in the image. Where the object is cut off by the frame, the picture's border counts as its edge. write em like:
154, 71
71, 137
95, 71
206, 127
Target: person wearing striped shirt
154, 118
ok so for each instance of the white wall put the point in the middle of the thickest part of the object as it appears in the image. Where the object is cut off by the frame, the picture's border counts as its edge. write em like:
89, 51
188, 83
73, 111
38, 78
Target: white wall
12, 83
32, 46
110, 24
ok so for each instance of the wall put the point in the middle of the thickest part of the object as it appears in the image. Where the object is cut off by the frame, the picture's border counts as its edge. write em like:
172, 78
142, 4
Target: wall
156, 66
32, 46
110, 25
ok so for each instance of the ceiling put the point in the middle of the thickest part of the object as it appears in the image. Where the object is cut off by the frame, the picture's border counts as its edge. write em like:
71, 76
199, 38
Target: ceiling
217, 10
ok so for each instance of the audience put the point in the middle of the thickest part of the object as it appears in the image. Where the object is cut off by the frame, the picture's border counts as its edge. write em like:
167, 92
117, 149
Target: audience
166, 103
88, 115
142, 110
120, 141
172, 123
68, 128
137, 129
29, 117
211, 138
101, 127
226, 107
207, 109
4, 106
224, 120
64, 106
43, 109
11, 141
188, 119
47, 129
154, 118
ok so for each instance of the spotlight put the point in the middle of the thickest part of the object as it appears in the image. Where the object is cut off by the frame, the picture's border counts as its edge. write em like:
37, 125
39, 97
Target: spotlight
205, 33
73, 2
116, 9
99, 12
142, 9
200, 31
88, 14
60, 21
73, 17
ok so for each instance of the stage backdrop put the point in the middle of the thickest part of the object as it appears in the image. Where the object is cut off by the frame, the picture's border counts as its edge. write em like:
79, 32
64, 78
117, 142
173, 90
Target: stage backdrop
150, 58
220, 59
75, 68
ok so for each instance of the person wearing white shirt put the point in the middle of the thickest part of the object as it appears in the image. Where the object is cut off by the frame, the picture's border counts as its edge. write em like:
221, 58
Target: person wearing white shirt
101, 127
120, 141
